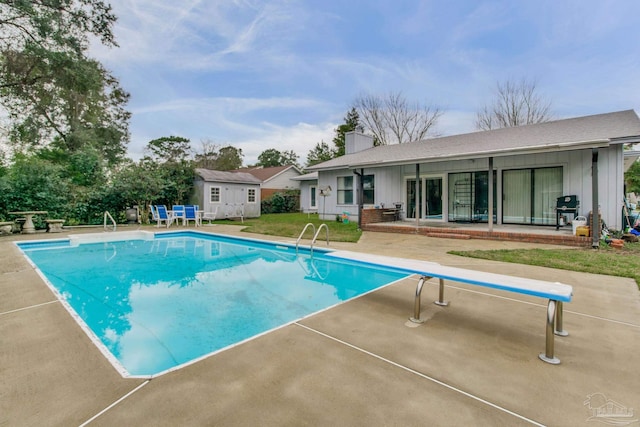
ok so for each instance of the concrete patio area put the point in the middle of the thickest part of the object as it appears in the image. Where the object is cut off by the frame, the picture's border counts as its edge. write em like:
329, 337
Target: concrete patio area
358, 364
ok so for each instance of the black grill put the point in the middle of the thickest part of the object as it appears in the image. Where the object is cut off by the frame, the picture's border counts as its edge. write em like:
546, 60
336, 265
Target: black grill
567, 202
566, 205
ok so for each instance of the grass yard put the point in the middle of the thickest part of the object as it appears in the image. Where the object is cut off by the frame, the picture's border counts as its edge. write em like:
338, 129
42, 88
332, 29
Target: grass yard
613, 262
292, 224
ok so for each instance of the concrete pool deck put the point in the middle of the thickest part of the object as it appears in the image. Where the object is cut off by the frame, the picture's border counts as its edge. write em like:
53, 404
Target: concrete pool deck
360, 363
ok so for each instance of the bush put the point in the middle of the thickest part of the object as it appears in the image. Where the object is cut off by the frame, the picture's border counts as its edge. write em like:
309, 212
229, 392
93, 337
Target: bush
286, 202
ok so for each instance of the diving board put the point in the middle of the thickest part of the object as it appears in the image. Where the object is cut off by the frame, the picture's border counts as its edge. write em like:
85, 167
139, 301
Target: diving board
555, 292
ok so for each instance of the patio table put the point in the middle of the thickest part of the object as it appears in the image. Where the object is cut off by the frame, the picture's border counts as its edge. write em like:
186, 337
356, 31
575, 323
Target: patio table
28, 227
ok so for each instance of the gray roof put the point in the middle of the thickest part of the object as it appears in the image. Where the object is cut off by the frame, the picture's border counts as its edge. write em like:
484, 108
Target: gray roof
569, 134
228, 177
306, 177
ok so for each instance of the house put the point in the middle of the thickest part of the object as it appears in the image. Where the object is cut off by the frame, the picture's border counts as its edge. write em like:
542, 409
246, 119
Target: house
447, 179
228, 194
274, 179
309, 192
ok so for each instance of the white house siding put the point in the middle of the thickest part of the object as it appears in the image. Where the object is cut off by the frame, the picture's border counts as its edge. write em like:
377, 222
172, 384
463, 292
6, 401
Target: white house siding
283, 181
305, 196
390, 181
576, 177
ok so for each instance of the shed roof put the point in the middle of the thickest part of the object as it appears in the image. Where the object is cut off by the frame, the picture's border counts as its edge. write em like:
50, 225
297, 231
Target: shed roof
598, 130
229, 177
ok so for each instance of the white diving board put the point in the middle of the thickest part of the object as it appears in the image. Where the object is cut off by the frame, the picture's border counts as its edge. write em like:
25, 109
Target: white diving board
555, 292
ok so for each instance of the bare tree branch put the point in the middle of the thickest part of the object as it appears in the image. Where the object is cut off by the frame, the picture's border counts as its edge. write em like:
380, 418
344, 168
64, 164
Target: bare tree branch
392, 120
515, 104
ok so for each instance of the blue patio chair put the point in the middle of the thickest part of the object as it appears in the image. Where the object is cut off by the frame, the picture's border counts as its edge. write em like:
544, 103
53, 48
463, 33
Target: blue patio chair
177, 213
190, 214
163, 215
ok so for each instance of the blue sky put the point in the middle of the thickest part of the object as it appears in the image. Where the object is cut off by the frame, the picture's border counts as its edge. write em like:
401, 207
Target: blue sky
282, 74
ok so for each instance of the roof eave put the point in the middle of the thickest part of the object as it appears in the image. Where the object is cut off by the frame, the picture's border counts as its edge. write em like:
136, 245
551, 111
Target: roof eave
564, 146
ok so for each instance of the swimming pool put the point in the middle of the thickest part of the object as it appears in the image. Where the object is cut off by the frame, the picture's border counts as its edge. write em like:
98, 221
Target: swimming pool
154, 302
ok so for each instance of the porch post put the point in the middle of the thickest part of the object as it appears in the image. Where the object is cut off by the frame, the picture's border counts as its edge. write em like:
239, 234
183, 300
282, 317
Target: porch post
490, 194
360, 195
418, 194
595, 214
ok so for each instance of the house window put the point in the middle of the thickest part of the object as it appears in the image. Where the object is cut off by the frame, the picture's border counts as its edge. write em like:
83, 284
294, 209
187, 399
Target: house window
368, 190
215, 195
313, 197
345, 190
251, 195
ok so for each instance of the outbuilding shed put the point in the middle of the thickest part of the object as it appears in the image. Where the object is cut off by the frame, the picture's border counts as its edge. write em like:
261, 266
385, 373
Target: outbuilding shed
227, 194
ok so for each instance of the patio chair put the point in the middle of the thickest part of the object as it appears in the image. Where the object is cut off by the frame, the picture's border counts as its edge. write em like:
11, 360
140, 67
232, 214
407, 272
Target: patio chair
190, 214
154, 213
235, 211
177, 213
163, 215
211, 216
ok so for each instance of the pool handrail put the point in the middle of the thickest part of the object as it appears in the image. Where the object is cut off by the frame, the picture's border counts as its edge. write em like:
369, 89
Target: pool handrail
315, 237
108, 215
302, 234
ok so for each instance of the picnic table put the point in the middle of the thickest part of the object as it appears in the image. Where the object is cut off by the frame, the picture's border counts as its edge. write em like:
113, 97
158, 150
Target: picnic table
28, 227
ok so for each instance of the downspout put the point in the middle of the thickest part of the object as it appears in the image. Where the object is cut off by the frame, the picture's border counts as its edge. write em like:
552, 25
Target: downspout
360, 195
490, 194
418, 194
595, 214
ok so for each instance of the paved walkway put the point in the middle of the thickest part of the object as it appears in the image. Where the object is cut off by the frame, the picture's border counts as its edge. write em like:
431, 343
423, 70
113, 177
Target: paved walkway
358, 364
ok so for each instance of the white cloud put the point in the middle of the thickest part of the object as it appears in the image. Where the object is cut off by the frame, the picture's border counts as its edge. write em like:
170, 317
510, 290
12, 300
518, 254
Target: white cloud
281, 74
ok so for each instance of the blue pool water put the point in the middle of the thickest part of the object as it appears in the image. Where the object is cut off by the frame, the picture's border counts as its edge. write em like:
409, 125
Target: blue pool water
156, 304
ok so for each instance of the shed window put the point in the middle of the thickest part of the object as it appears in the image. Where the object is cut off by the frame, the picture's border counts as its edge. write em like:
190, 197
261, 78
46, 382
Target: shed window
215, 195
251, 195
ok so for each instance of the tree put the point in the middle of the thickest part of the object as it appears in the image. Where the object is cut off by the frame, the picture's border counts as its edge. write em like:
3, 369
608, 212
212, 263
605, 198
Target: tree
55, 94
272, 157
64, 25
211, 156
351, 124
320, 153
515, 104
632, 178
169, 149
229, 158
393, 120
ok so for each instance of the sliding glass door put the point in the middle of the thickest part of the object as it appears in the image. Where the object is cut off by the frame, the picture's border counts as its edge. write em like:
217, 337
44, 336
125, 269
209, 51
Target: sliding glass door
469, 196
529, 195
430, 199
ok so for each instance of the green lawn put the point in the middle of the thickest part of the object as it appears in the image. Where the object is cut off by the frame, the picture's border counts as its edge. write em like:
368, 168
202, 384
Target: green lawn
613, 262
292, 224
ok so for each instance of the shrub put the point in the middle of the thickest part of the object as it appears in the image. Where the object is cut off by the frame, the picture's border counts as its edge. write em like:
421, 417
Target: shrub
286, 202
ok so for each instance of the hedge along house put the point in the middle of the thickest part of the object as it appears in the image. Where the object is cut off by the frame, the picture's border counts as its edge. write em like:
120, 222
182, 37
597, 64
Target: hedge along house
228, 194
447, 179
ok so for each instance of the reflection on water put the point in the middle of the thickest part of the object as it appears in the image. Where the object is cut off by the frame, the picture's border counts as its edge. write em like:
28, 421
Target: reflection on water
160, 303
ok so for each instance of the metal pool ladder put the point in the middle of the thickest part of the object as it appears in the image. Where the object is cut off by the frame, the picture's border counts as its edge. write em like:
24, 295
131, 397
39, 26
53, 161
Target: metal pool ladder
107, 214
315, 235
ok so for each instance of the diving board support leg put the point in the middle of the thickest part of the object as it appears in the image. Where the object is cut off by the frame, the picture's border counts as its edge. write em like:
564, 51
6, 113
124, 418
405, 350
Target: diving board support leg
441, 302
558, 329
416, 302
548, 356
